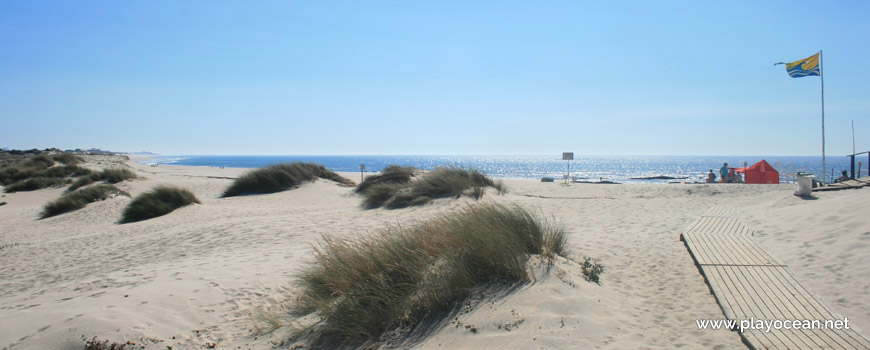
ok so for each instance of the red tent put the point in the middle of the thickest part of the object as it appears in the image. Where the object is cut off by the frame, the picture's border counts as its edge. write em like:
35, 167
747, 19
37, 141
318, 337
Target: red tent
759, 173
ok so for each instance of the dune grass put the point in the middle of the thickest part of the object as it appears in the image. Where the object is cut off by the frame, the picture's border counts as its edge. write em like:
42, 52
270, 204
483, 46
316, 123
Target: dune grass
35, 183
40, 172
392, 174
364, 288
24, 170
281, 177
65, 171
79, 199
439, 183
159, 201
108, 175
66, 158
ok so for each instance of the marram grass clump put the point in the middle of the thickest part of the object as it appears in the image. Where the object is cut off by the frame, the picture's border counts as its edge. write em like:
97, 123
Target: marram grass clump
79, 199
361, 289
108, 175
392, 174
160, 201
23, 170
35, 183
281, 177
439, 183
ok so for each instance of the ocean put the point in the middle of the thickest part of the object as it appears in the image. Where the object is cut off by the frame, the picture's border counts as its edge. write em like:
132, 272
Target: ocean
623, 169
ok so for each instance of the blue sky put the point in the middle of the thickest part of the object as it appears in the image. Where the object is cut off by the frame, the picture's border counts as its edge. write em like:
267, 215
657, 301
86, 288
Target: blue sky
446, 77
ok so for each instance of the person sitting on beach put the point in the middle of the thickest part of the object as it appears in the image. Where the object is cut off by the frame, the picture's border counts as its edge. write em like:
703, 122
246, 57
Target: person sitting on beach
738, 178
843, 177
723, 172
732, 177
711, 178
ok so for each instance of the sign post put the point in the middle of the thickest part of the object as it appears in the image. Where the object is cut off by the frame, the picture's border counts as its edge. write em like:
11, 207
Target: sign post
362, 167
568, 156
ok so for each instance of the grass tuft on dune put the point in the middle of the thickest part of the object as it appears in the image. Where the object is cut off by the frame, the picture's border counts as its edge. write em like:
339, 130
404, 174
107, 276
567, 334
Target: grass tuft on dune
35, 183
439, 183
108, 175
392, 174
24, 170
79, 199
41, 172
364, 288
281, 177
159, 201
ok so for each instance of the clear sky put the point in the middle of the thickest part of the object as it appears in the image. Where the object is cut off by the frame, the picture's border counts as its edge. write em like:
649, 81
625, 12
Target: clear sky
433, 77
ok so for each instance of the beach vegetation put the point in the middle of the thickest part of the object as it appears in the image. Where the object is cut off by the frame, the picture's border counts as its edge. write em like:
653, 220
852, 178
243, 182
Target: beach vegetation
360, 289
439, 183
159, 201
66, 171
2, 203
281, 177
35, 183
116, 175
66, 159
41, 172
108, 175
592, 270
23, 170
392, 174
94, 344
79, 199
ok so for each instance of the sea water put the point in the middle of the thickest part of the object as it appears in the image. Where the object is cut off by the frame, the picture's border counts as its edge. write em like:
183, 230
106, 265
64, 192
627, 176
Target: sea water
625, 169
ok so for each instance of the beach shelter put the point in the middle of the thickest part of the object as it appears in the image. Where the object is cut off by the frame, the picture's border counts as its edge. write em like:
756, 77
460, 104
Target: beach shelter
759, 173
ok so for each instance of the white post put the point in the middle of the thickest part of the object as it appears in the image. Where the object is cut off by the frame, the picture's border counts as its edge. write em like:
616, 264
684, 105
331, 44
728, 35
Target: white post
822, 78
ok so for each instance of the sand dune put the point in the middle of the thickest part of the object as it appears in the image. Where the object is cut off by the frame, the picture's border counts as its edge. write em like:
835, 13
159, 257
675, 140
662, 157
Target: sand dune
212, 273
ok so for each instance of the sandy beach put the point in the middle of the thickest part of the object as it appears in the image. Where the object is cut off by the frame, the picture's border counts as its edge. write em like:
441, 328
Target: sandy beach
221, 274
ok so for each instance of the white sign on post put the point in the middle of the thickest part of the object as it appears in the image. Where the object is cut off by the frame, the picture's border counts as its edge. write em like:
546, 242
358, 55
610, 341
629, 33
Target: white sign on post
569, 156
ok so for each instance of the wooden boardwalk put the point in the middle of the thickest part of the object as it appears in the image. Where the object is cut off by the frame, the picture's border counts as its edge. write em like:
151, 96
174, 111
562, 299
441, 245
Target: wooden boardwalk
845, 185
750, 284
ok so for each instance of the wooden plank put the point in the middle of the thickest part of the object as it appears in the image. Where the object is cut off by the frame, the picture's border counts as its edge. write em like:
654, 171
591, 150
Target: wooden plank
757, 306
712, 249
726, 225
807, 307
749, 283
778, 309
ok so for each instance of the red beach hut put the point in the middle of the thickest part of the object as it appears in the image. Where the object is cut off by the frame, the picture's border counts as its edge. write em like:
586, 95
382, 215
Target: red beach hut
759, 173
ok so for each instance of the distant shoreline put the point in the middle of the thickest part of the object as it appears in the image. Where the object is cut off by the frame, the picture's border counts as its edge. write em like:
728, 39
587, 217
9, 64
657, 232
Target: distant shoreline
623, 169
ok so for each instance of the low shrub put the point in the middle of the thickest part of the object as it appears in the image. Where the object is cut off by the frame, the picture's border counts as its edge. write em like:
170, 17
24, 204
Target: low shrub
439, 183
66, 170
35, 183
364, 288
109, 175
281, 177
392, 174
79, 199
116, 175
94, 344
83, 181
66, 158
23, 170
592, 270
160, 201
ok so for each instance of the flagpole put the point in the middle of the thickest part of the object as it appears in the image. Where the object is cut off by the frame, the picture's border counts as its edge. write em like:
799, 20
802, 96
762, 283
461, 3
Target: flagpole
822, 76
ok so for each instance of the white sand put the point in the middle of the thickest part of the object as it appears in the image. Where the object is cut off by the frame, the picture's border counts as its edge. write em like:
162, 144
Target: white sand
210, 273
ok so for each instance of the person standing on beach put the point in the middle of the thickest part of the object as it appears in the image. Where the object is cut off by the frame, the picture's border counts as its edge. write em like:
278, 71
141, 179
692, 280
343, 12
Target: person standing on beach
724, 172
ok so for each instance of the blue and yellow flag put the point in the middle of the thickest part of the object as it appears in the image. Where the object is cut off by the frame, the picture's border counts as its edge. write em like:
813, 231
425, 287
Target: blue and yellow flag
803, 68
